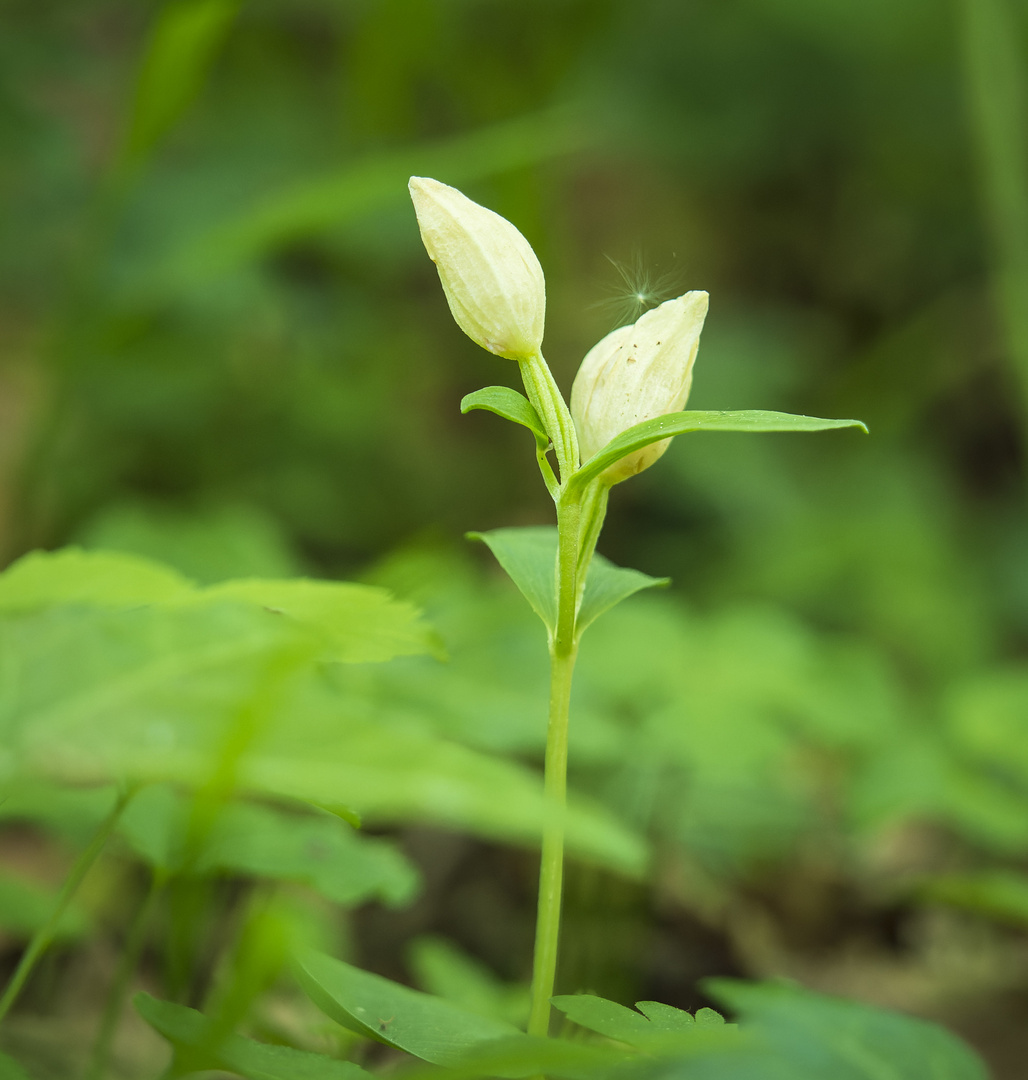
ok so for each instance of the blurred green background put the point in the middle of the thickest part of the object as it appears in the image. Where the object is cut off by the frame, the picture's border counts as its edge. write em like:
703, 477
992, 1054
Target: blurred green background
222, 345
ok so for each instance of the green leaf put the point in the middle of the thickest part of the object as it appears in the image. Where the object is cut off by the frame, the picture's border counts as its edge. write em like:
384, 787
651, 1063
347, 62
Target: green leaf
681, 423
200, 1046
264, 842
800, 1035
359, 623
607, 585
44, 579
425, 1026
667, 1017
511, 405
181, 49
529, 555
149, 694
663, 1029
604, 1017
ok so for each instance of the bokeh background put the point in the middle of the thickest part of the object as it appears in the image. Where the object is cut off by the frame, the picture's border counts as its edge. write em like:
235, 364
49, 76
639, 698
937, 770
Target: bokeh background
222, 345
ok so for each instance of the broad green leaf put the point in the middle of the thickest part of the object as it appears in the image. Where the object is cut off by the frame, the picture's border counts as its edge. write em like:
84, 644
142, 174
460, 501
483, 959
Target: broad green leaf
511, 405
800, 1035
663, 427
360, 623
265, 842
199, 1046
182, 47
423, 1025
71, 576
529, 555
442, 969
996, 894
148, 694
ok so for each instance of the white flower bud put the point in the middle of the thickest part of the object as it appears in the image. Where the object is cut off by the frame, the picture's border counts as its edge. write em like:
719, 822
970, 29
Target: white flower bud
637, 373
490, 274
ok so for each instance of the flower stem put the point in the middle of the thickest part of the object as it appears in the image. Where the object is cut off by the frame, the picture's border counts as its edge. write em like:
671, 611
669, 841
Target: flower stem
549, 403
45, 934
563, 651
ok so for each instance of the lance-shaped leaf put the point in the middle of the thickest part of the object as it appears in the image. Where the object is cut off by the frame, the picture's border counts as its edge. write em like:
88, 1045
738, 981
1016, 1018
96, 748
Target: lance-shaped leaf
681, 423
508, 403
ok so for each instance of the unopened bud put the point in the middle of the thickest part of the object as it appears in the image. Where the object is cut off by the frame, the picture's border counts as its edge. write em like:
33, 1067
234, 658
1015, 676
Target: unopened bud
637, 373
491, 277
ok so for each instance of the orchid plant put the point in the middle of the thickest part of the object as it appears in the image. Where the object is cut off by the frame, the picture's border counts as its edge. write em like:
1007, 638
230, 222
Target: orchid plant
626, 406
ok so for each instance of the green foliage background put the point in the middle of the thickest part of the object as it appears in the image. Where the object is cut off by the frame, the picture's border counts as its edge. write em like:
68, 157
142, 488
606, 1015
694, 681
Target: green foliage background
222, 346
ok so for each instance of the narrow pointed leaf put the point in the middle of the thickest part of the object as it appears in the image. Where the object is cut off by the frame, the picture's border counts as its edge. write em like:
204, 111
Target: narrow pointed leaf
511, 405
529, 555
681, 423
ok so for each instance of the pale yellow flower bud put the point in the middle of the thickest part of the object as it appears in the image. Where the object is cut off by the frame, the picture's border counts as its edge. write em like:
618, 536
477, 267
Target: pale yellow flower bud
637, 373
491, 277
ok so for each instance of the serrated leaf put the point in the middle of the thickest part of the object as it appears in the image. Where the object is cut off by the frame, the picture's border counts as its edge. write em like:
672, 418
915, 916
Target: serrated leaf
511, 405
199, 1046
669, 1030
604, 1017
425, 1026
360, 623
666, 1017
681, 423
529, 555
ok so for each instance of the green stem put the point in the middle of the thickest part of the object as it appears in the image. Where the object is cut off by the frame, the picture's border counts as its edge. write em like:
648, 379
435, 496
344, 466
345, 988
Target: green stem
43, 937
594, 511
127, 964
563, 650
544, 394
